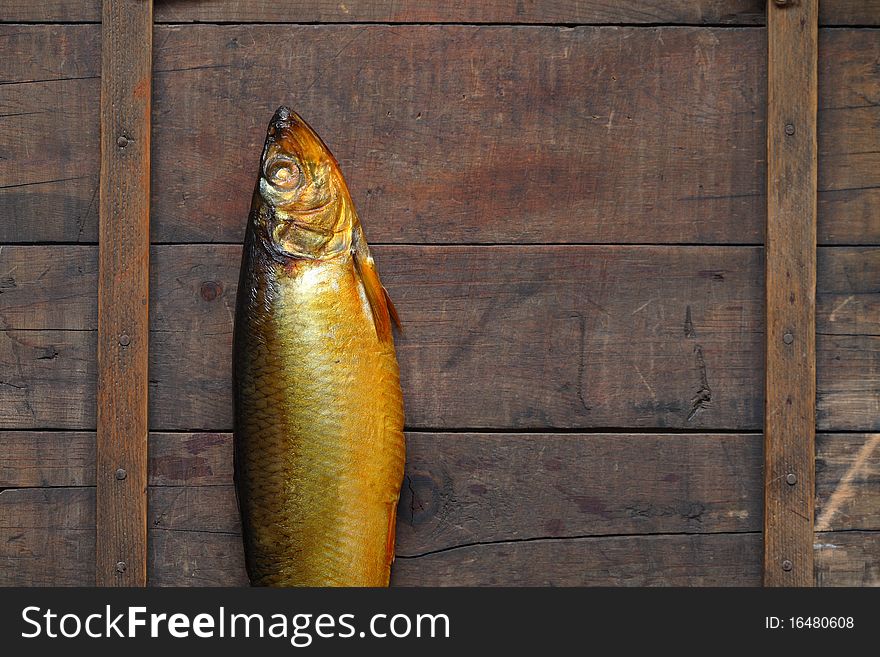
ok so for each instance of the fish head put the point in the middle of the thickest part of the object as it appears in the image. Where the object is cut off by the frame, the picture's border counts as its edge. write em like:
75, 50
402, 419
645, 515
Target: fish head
302, 202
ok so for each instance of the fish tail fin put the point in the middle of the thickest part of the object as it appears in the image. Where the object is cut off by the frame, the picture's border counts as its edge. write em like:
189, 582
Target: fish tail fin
381, 305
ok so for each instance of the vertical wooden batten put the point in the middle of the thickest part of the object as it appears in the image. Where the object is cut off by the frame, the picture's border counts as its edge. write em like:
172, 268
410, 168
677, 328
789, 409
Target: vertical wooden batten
123, 279
790, 385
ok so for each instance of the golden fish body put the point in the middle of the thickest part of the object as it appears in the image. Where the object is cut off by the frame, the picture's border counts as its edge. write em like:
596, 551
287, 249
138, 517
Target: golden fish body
319, 446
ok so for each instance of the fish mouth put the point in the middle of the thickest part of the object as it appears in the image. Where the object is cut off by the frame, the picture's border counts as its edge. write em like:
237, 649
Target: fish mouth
283, 116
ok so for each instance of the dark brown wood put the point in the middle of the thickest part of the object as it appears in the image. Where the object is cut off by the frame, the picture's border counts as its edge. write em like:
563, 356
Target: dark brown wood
790, 278
33, 459
194, 537
574, 336
51, 372
49, 287
495, 11
534, 143
48, 379
508, 487
47, 537
847, 559
847, 481
123, 294
722, 149
738, 12
847, 466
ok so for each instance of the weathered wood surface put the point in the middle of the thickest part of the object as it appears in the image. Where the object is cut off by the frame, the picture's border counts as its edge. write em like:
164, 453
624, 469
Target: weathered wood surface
848, 344
847, 481
462, 517
466, 310
48, 379
790, 282
477, 488
847, 472
123, 293
630, 336
47, 536
847, 559
510, 103
736, 12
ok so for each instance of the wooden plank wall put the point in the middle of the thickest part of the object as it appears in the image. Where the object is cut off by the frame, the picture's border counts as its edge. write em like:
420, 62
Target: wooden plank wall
568, 204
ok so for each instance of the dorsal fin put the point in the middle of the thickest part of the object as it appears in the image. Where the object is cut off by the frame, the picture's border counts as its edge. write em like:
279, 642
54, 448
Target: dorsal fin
381, 305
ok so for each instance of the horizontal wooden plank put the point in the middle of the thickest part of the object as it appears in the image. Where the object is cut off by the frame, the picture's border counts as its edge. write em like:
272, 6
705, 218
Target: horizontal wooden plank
848, 368
203, 559
847, 481
49, 287
543, 154
707, 560
847, 296
476, 488
47, 537
847, 559
33, 459
629, 336
851, 461
47, 379
461, 513
466, 310
739, 12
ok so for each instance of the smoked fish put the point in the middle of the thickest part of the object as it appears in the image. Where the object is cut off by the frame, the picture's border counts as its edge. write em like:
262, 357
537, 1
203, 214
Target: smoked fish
319, 446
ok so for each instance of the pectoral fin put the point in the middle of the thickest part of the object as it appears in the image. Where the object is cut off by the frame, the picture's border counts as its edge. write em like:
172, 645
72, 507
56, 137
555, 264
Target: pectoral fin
381, 305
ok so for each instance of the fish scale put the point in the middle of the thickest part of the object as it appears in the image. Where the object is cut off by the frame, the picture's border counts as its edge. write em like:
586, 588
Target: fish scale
319, 442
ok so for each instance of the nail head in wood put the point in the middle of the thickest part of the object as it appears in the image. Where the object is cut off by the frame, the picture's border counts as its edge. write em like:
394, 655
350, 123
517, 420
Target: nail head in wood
788, 338
787, 565
124, 340
791, 478
781, 3
122, 141
121, 567
121, 474
789, 129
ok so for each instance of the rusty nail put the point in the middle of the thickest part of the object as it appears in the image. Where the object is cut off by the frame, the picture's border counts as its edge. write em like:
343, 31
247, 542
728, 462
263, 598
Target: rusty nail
124, 340
791, 478
786, 565
120, 566
122, 141
788, 338
789, 129
121, 474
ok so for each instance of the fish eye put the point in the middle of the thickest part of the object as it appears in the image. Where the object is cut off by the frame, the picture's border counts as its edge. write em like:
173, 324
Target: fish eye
282, 173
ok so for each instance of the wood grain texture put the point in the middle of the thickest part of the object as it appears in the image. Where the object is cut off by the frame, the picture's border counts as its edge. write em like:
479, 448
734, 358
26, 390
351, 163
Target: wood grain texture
698, 483
47, 537
738, 12
847, 481
665, 169
466, 488
847, 559
790, 279
123, 293
446, 297
847, 471
51, 459
629, 336
47, 379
